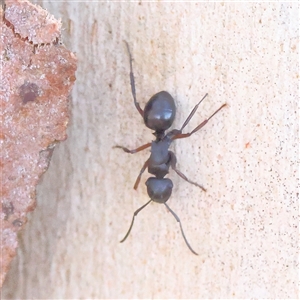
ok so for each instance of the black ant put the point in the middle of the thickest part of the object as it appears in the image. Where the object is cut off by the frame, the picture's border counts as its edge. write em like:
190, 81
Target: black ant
158, 115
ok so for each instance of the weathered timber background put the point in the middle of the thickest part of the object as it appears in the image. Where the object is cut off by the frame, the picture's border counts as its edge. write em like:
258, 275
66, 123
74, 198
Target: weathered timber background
245, 227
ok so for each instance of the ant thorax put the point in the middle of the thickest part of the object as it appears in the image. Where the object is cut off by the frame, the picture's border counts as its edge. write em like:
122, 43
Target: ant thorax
159, 151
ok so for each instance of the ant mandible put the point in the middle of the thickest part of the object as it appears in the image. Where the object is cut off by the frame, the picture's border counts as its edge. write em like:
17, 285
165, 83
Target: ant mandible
158, 115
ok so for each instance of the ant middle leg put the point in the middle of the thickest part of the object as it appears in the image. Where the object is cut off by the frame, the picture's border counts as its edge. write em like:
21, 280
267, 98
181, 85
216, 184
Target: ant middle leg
185, 135
141, 148
132, 83
173, 162
138, 179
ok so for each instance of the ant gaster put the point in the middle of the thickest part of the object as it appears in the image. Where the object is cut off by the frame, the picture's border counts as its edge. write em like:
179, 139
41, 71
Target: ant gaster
158, 115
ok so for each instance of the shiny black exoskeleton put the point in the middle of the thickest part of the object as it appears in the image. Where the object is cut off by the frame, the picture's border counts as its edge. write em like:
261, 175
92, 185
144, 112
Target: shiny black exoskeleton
158, 115
159, 112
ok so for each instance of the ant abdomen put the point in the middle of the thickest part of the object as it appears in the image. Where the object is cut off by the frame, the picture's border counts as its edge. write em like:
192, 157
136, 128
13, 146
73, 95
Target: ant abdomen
160, 111
159, 190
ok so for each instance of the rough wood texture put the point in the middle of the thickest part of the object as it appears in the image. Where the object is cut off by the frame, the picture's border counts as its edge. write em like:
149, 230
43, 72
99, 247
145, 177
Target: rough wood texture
244, 227
37, 74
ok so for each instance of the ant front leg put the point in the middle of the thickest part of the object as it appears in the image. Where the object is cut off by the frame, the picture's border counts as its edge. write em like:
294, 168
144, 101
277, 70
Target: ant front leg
132, 83
173, 162
141, 148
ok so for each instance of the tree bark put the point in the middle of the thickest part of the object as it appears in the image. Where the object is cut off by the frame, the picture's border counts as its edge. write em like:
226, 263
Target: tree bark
244, 227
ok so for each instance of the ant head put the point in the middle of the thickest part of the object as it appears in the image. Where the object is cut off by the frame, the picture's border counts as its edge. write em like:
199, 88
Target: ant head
159, 112
159, 189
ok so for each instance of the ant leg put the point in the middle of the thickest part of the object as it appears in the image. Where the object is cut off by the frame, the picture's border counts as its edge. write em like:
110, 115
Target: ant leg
132, 83
173, 161
192, 113
178, 220
141, 148
136, 184
185, 135
134, 215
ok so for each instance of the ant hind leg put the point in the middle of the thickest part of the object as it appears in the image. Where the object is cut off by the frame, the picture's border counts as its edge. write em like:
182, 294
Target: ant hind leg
181, 135
132, 83
141, 148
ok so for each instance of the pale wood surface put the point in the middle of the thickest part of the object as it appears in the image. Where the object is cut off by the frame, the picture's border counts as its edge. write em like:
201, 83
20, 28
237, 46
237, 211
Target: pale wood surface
244, 228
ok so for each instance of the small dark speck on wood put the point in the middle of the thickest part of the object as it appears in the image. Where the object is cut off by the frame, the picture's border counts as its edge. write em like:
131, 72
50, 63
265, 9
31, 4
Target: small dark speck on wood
29, 92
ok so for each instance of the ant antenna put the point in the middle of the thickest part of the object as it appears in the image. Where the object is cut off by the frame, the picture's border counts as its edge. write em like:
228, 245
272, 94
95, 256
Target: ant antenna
134, 215
171, 211
178, 220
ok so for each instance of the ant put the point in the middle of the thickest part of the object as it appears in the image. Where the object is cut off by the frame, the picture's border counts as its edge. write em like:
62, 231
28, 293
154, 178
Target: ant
159, 114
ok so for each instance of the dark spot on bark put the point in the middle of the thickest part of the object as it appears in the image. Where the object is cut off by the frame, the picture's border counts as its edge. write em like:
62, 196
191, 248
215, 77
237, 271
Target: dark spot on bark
17, 223
29, 92
8, 209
